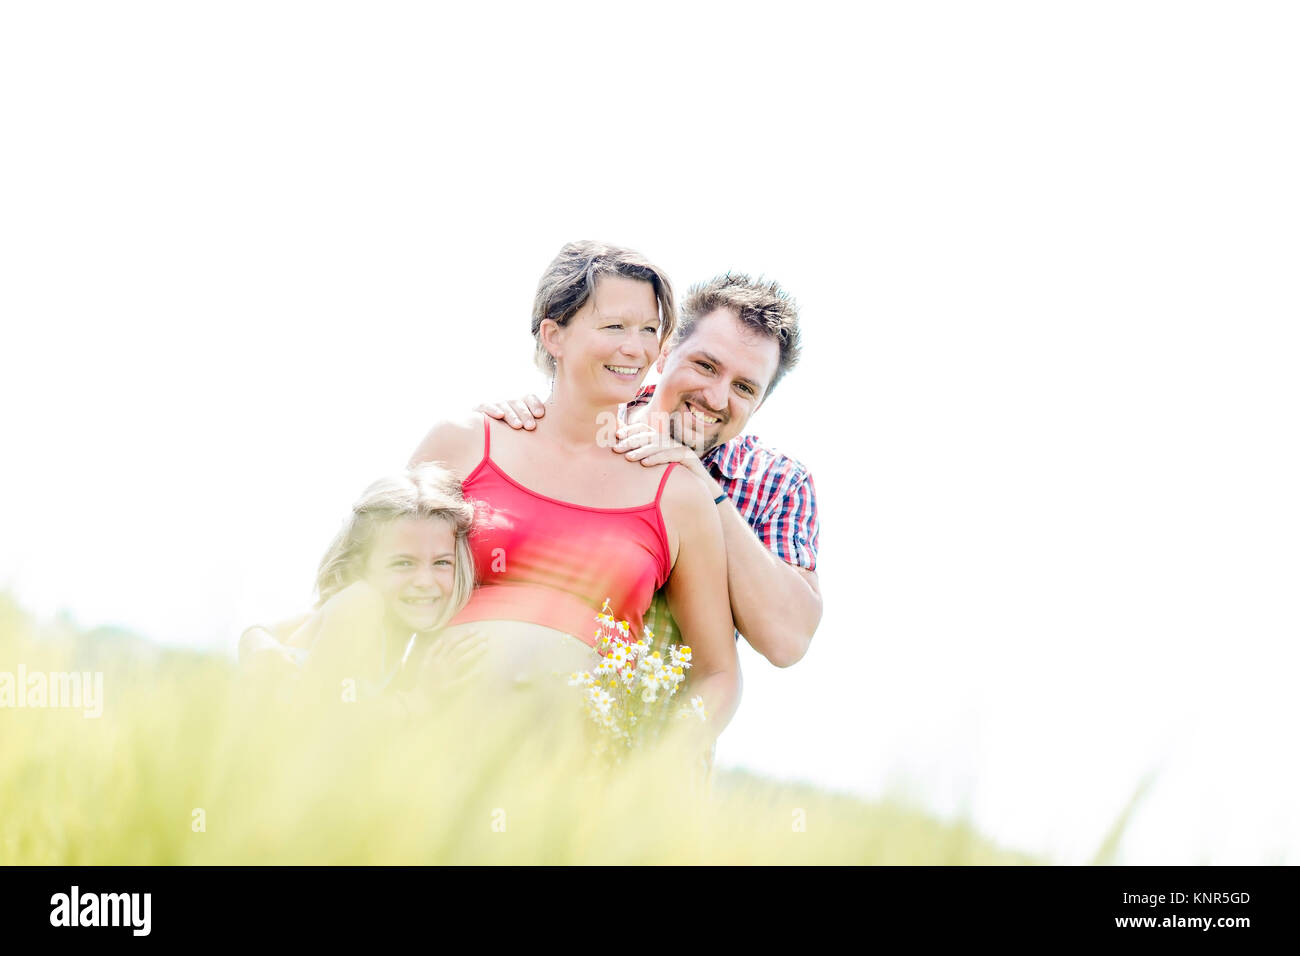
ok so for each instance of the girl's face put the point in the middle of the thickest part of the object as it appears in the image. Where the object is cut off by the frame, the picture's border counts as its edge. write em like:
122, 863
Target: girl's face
611, 342
413, 565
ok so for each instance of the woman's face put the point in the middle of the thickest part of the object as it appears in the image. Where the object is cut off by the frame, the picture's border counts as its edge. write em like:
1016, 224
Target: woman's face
413, 565
610, 343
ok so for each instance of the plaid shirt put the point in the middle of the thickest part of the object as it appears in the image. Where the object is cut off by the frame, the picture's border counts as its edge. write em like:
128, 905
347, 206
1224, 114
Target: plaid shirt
774, 493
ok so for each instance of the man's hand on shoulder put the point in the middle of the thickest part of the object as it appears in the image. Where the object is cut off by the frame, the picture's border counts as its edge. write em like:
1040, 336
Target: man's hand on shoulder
638, 441
515, 412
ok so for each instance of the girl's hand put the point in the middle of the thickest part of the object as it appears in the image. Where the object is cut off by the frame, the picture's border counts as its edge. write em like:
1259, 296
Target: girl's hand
450, 662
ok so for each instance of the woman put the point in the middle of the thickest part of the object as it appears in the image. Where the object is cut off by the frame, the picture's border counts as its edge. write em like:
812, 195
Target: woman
563, 524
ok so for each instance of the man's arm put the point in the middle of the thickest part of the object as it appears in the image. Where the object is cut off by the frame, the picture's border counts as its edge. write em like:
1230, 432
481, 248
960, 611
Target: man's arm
776, 605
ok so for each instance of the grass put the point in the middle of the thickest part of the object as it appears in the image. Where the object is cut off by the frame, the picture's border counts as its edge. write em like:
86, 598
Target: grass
190, 764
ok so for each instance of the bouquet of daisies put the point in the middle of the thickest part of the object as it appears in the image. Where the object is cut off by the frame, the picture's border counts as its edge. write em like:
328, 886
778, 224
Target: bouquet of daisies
629, 693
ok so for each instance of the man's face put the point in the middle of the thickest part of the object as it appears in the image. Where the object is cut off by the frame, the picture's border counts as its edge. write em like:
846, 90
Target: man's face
714, 380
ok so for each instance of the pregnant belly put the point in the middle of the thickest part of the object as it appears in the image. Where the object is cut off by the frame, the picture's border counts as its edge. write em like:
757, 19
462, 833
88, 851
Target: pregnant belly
523, 656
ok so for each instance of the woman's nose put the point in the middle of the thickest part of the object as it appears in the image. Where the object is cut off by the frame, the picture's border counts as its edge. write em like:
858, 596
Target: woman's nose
425, 578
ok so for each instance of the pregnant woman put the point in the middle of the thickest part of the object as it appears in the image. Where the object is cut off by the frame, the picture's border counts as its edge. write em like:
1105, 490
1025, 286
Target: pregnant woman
564, 525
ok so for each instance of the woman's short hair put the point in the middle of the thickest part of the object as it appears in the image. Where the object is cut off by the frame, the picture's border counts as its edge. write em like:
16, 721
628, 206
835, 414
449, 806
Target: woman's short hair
423, 491
570, 279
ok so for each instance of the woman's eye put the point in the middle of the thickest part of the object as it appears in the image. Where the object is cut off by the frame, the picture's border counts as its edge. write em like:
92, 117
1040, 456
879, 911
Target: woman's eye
445, 563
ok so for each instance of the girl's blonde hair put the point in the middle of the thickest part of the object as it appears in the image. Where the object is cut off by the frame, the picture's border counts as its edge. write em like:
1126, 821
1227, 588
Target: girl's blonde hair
423, 491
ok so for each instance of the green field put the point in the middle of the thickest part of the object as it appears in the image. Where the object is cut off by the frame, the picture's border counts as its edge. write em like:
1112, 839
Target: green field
189, 763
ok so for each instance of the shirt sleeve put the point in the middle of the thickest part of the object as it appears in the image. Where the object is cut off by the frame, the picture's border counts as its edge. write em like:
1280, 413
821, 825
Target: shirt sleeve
791, 527
660, 620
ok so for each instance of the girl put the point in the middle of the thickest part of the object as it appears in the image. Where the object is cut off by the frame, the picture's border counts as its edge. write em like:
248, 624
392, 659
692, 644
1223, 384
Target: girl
399, 569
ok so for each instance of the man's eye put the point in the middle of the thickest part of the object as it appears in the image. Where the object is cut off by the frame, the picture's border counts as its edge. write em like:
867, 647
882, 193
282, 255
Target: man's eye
705, 365
745, 388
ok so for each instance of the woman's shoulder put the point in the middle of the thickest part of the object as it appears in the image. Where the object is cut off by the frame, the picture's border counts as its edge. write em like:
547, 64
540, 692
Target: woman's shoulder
684, 495
456, 442
690, 516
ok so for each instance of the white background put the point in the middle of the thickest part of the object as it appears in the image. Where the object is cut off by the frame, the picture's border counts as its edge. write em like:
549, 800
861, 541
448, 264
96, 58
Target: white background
1046, 256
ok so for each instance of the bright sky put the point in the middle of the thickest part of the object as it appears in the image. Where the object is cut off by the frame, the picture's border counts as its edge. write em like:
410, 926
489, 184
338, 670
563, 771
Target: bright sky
1046, 259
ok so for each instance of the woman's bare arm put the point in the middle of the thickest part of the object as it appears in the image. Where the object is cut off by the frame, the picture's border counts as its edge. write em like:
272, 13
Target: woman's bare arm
457, 443
698, 599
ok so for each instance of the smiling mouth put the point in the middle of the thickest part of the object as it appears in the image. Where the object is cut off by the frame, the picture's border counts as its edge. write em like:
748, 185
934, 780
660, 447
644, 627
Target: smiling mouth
702, 418
420, 602
626, 371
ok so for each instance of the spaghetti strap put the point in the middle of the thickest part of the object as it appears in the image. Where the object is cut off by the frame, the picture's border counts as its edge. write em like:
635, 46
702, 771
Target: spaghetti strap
487, 438
663, 481
622, 555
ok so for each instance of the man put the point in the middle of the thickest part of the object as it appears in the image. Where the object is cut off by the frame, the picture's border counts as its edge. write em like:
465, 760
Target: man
736, 339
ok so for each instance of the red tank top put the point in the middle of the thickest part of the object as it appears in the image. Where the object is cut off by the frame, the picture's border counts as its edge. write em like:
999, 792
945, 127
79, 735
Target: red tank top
554, 563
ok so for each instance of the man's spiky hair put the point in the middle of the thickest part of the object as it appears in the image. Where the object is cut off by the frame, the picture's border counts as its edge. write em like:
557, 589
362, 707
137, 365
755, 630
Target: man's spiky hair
761, 304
